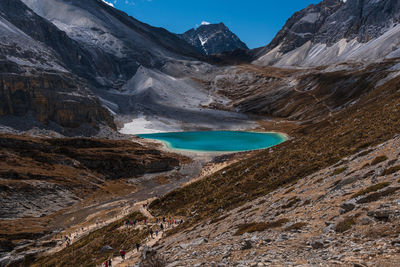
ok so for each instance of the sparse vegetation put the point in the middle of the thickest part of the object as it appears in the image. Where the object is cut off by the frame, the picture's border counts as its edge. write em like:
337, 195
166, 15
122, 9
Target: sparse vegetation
259, 226
378, 195
291, 202
217, 219
261, 202
364, 153
391, 170
339, 171
289, 190
296, 226
162, 180
379, 159
370, 189
345, 225
318, 181
86, 251
245, 208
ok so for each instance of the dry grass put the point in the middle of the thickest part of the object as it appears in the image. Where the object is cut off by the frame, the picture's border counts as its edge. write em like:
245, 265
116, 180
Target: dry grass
391, 170
379, 159
245, 208
161, 180
218, 219
384, 230
291, 202
378, 195
345, 225
370, 189
339, 170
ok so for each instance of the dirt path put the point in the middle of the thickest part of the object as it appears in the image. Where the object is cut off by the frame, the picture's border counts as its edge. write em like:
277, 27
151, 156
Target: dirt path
133, 256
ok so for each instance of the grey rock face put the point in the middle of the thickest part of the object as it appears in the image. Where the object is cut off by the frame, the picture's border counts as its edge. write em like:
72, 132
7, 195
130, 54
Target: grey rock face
333, 20
116, 43
213, 39
347, 206
87, 43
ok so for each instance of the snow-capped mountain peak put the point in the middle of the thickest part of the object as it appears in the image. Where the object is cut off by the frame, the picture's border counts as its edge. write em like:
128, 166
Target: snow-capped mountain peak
212, 38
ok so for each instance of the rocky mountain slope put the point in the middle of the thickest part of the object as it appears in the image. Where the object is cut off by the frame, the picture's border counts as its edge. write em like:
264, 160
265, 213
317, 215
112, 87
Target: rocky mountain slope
71, 55
342, 215
117, 43
44, 181
36, 81
211, 39
336, 31
323, 195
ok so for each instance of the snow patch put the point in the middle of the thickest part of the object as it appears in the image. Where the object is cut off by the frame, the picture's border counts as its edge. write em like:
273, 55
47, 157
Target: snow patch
145, 125
110, 4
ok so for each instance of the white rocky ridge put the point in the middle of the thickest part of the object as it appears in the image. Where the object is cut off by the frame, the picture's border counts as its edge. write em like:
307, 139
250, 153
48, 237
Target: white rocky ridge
336, 31
317, 54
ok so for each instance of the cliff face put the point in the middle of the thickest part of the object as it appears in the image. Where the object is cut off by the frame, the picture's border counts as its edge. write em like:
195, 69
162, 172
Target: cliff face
51, 97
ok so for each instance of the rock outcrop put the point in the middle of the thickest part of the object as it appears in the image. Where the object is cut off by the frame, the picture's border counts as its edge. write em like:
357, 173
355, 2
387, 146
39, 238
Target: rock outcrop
48, 97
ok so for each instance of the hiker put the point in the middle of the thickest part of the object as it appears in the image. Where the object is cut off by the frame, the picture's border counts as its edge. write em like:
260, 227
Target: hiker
151, 233
162, 227
156, 232
137, 247
163, 219
122, 253
110, 263
106, 263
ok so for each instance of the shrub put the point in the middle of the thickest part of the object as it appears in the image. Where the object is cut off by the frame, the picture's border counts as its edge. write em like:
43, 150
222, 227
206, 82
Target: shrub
291, 202
217, 219
376, 196
339, 171
345, 225
370, 189
391, 170
378, 160
245, 208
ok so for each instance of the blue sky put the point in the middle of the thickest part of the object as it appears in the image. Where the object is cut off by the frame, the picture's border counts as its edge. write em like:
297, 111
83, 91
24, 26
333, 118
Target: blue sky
255, 21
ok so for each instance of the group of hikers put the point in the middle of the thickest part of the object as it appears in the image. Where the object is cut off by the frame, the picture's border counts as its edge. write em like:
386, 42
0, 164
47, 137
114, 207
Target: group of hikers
122, 253
163, 223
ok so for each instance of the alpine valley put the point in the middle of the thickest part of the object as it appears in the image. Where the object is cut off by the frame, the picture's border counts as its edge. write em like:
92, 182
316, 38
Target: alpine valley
81, 80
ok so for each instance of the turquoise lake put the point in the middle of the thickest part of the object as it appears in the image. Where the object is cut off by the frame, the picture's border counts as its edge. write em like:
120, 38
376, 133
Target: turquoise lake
217, 141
